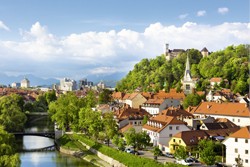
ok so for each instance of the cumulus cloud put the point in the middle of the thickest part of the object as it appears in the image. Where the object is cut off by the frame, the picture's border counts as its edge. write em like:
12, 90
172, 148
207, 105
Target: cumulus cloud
41, 53
223, 10
3, 26
201, 13
183, 16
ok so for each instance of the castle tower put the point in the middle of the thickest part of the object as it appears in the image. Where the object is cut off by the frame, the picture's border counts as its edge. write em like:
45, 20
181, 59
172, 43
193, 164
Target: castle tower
188, 84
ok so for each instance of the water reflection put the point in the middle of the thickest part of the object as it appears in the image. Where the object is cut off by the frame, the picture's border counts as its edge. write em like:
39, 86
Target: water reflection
34, 142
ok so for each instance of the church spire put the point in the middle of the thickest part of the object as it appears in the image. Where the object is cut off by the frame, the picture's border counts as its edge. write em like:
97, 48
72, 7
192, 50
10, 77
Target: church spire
187, 73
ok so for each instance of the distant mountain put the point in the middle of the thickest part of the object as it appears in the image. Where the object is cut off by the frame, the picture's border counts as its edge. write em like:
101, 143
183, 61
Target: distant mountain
34, 80
109, 80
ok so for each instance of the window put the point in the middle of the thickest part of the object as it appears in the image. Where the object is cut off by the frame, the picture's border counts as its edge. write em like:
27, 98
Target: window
187, 87
236, 150
246, 161
135, 122
238, 120
170, 127
173, 140
246, 140
177, 127
246, 151
236, 139
179, 141
233, 119
170, 135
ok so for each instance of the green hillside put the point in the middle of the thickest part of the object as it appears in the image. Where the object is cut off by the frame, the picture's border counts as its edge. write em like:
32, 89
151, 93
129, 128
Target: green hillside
158, 73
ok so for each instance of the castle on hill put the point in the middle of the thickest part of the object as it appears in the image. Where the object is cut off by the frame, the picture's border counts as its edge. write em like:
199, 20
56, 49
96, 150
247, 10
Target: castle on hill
170, 54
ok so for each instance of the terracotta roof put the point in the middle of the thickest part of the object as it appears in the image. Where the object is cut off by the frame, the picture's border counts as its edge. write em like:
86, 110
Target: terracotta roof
163, 120
191, 138
125, 128
176, 112
200, 93
216, 79
117, 95
126, 96
244, 132
131, 113
147, 95
172, 94
229, 109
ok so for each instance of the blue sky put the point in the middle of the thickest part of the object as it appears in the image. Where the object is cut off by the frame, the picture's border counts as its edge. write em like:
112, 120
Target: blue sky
80, 37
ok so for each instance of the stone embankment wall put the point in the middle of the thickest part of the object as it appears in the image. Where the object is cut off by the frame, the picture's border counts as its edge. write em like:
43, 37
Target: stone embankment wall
106, 158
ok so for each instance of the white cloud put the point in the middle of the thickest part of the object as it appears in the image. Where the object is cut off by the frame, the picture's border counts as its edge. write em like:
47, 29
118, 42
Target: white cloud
42, 53
201, 13
223, 10
3, 26
183, 16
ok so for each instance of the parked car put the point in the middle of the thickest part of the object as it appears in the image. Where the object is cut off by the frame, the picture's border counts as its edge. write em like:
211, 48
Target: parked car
183, 162
169, 155
192, 160
131, 151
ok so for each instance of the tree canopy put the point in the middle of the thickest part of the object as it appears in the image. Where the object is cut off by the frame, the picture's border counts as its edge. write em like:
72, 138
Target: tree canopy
11, 115
158, 73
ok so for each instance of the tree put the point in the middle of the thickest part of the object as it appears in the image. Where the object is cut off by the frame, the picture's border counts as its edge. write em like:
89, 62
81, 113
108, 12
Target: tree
157, 152
11, 115
50, 96
119, 142
90, 99
206, 150
8, 157
65, 111
110, 126
145, 119
137, 140
105, 96
191, 100
239, 161
181, 152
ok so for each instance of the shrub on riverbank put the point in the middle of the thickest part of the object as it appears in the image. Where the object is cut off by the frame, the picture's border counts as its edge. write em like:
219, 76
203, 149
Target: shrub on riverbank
124, 158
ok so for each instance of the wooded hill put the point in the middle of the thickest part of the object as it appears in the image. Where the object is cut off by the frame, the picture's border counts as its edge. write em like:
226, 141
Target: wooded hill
155, 74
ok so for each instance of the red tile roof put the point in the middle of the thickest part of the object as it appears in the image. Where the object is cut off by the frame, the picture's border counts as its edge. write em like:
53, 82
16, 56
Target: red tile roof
244, 132
215, 79
227, 109
172, 94
176, 112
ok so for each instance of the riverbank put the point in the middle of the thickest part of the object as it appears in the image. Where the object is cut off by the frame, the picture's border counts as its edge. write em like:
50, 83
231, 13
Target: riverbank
66, 145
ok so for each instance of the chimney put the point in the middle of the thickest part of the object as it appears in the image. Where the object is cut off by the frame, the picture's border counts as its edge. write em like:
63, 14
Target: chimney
208, 106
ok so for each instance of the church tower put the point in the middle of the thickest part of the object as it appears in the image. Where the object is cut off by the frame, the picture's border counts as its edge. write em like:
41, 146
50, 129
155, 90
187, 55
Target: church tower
188, 84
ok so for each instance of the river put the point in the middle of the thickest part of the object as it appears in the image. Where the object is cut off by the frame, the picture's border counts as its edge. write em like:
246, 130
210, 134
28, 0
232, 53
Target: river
44, 158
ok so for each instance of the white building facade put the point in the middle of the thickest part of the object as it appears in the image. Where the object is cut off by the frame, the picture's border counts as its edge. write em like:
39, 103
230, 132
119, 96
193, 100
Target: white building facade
238, 145
67, 84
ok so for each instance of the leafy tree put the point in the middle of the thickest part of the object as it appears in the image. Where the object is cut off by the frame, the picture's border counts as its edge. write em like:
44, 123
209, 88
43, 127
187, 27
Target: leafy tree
137, 140
90, 99
50, 96
11, 115
145, 119
181, 152
191, 100
119, 142
157, 152
206, 150
65, 111
8, 157
110, 126
105, 96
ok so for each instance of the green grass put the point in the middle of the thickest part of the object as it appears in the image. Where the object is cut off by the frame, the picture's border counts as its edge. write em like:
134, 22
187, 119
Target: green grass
124, 158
